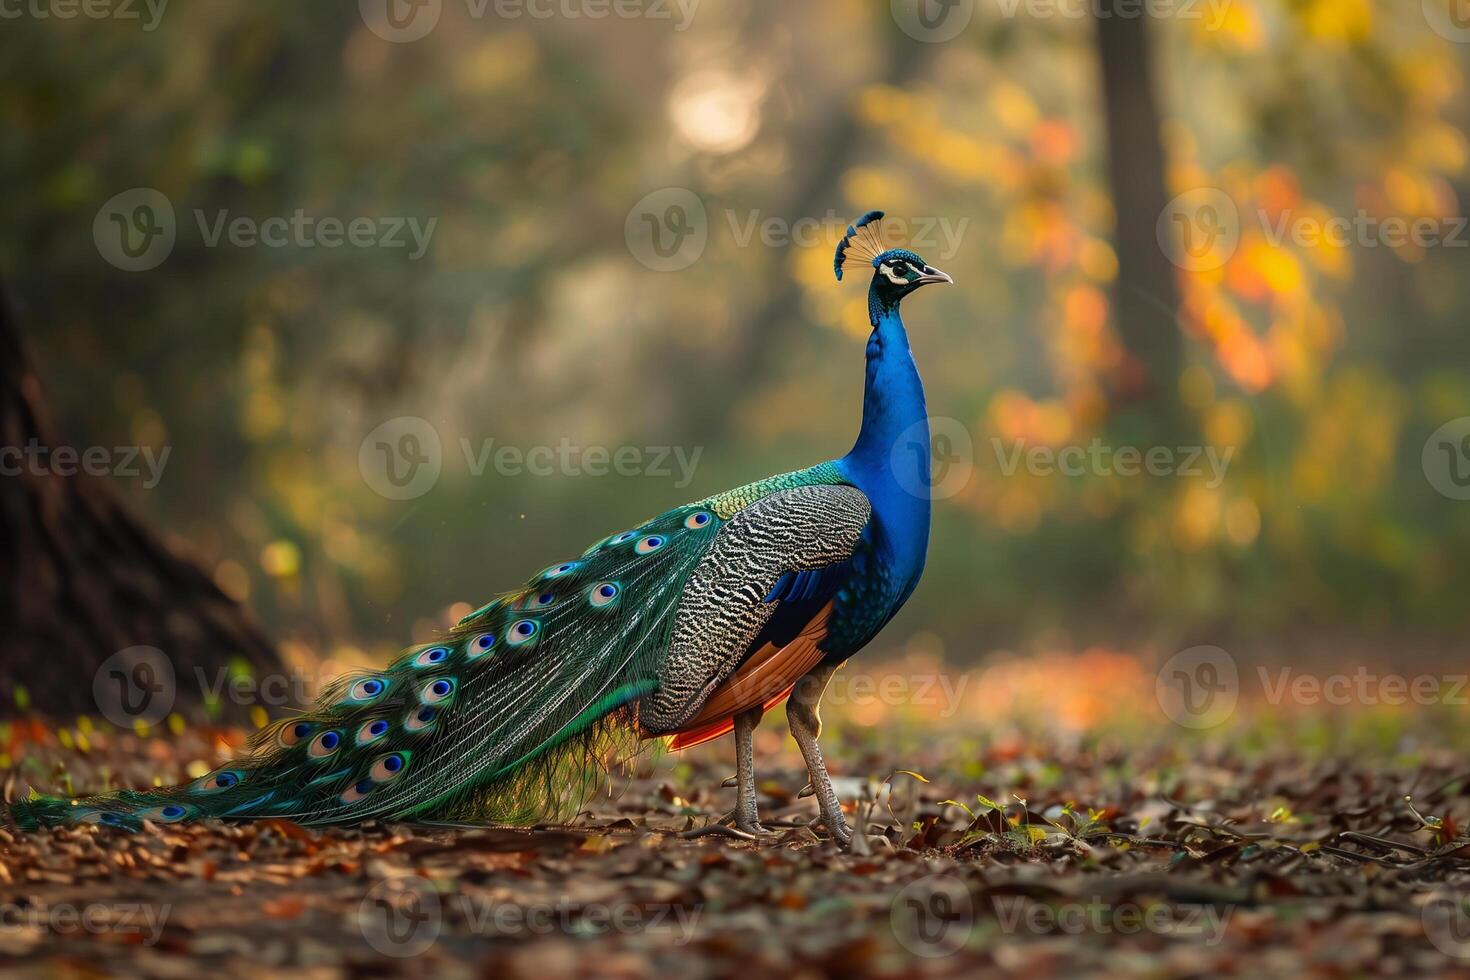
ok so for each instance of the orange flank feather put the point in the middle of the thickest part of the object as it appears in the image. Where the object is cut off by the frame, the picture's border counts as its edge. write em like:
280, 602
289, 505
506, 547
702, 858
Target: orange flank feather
765, 678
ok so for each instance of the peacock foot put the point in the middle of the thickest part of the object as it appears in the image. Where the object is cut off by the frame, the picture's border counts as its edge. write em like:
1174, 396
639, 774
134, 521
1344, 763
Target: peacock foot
752, 826
747, 818
836, 825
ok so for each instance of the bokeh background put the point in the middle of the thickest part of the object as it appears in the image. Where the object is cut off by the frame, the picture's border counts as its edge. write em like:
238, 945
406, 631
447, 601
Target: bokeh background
540, 146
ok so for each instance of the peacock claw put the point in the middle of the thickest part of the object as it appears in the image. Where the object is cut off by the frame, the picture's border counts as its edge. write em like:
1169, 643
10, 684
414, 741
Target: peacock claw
839, 830
747, 818
748, 825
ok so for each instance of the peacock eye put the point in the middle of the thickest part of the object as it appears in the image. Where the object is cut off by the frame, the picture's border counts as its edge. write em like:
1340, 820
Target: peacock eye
372, 731
523, 631
431, 656
366, 689
292, 734
220, 780
436, 691
895, 271
358, 791
324, 745
168, 813
386, 768
419, 720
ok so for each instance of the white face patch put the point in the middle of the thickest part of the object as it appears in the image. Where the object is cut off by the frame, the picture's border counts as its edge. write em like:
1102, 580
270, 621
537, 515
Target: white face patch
893, 277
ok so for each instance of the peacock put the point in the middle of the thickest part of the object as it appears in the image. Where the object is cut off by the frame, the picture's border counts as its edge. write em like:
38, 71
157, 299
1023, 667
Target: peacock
686, 627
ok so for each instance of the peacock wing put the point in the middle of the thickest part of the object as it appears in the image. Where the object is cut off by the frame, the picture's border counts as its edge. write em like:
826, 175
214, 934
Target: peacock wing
789, 547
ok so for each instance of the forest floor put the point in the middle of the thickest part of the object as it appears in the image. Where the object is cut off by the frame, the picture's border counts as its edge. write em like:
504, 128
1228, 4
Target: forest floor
1314, 847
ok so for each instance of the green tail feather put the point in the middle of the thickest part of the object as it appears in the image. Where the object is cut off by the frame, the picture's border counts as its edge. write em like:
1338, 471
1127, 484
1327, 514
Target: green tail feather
509, 716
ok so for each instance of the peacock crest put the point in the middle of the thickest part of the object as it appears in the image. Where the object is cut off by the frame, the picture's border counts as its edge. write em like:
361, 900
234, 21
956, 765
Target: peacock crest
863, 241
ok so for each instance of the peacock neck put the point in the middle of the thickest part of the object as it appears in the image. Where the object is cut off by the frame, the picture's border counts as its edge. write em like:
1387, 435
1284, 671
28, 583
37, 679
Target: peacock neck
891, 459
893, 400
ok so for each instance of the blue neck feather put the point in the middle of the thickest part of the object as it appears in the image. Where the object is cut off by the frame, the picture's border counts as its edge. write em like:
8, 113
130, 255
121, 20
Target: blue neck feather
890, 461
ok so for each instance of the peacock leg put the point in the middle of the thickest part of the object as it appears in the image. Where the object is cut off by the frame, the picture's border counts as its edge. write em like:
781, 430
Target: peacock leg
747, 816
806, 726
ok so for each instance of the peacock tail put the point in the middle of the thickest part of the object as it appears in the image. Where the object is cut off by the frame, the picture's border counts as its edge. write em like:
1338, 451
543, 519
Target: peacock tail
506, 717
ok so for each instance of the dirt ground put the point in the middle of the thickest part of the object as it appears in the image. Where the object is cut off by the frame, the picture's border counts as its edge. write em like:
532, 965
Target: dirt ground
1252, 857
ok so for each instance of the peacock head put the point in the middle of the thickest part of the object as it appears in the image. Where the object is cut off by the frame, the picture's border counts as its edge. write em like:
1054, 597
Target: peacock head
896, 271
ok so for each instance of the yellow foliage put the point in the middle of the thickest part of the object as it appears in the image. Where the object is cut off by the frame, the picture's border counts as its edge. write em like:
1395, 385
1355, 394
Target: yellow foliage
882, 105
962, 156
1238, 25
861, 186
1340, 21
1438, 146
280, 559
501, 61
1013, 107
1229, 423
1242, 521
1196, 517
1347, 451
1276, 266
1097, 260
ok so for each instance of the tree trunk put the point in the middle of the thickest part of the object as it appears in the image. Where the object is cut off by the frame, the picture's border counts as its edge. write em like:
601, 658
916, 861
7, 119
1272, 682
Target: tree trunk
1146, 296
83, 583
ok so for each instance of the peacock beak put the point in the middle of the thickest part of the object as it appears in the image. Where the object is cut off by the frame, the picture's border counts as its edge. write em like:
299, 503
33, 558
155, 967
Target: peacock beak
932, 274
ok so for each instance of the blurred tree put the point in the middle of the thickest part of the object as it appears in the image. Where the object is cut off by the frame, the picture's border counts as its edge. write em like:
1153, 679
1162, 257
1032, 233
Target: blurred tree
1146, 299
80, 579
